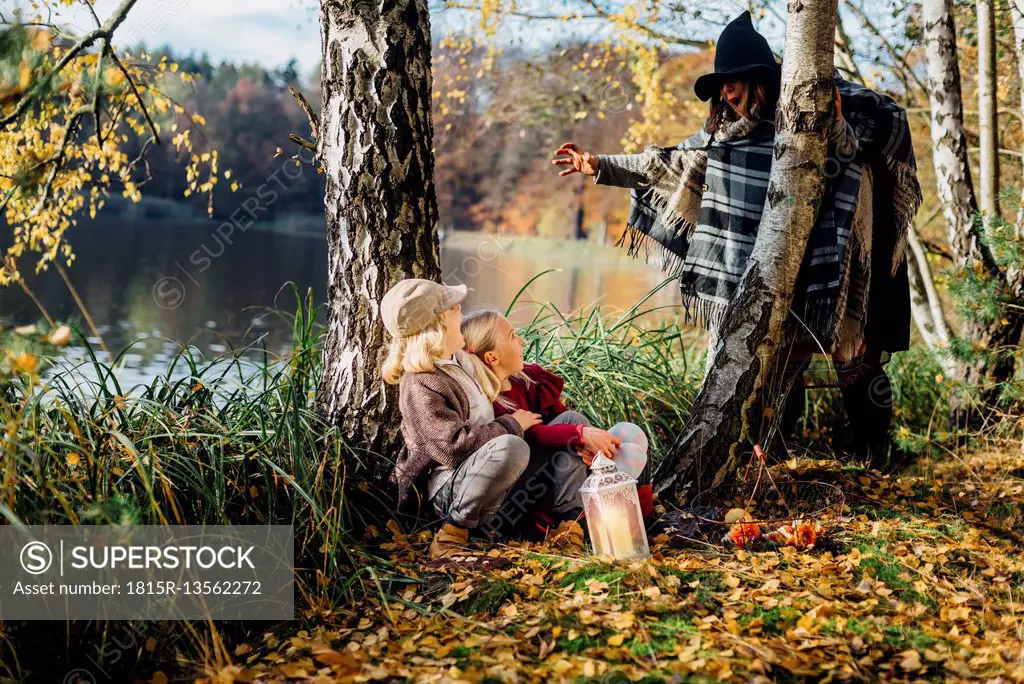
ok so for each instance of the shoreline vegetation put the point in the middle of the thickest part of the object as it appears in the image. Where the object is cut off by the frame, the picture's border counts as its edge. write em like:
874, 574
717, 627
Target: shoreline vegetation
163, 212
229, 442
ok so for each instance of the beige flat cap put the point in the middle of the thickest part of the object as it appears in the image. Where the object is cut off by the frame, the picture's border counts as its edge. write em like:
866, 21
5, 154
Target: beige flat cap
413, 304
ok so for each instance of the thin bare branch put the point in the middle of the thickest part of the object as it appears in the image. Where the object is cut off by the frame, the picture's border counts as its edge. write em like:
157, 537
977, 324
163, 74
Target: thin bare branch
652, 32
528, 15
905, 70
314, 121
844, 52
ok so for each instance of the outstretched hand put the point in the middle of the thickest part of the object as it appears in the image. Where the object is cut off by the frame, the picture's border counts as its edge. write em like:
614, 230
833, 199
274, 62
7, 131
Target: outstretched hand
578, 161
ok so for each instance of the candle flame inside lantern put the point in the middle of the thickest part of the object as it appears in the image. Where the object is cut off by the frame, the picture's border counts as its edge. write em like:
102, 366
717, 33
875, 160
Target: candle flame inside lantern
612, 507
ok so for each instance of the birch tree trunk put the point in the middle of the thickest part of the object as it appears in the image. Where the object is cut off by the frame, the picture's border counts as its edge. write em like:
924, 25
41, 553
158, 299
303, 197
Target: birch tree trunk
726, 411
956, 193
926, 305
375, 142
949, 142
1017, 13
938, 327
988, 123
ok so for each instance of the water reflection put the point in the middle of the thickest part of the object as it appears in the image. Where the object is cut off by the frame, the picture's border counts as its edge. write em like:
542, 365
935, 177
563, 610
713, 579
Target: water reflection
154, 287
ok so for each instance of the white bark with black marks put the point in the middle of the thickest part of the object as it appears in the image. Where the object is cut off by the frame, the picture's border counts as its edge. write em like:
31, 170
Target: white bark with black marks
375, 147
956, 192
949, 142
926, 305
725, 412
988, 106
1017, 13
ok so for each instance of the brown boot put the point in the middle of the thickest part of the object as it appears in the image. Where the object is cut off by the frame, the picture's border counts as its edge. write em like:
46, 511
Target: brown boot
449, 541
567, 537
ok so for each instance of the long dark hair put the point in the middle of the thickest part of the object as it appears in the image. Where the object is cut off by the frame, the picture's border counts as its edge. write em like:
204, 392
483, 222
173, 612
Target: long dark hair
763, 88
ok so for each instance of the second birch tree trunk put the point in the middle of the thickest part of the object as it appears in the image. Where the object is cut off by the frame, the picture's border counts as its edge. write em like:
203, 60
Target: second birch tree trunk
956, 192
949, 142
726, 411
988, 124
1017, 12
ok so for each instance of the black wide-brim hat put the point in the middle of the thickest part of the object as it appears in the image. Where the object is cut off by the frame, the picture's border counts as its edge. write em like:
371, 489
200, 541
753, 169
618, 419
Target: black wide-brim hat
740, 50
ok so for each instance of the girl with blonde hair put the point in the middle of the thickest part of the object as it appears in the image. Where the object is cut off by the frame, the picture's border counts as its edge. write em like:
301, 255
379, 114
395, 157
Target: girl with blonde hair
562, 446
458, 453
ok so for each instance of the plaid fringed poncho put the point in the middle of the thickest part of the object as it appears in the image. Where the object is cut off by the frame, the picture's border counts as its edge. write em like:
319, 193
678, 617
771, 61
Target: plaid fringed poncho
701, 203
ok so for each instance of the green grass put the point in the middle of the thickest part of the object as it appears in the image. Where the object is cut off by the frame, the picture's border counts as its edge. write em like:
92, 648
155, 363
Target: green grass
597, 572
901, 637
665, 636
884, 567
709, 580
853, 625
635, 367
775, 620
490, 597
579, 644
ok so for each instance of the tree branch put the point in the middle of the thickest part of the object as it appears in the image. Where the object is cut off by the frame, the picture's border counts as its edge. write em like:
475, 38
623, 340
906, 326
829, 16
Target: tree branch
314, 120
652, 32
103, 32
900, 59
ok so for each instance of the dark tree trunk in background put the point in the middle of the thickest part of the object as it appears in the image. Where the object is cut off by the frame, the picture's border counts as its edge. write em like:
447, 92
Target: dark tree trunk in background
579, 215
726, 411
956, 192
375, 141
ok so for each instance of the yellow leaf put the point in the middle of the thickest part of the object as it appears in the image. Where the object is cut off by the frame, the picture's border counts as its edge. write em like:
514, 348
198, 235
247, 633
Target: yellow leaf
24, 363
910, 660
60, 337
72, 459
616, 639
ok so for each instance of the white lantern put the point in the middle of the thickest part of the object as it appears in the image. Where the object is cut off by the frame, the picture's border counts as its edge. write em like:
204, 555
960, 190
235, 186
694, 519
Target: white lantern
612, 509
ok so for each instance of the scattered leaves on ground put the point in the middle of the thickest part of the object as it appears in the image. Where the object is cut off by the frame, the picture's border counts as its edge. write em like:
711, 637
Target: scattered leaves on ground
924, 582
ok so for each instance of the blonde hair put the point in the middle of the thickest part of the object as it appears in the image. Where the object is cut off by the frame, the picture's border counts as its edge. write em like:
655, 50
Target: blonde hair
415, 353
480, 330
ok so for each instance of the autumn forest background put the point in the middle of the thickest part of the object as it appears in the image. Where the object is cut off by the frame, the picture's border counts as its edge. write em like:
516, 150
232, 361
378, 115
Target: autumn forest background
189, 334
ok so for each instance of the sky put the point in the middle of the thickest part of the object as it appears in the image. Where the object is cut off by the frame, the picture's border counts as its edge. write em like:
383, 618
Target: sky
269, 32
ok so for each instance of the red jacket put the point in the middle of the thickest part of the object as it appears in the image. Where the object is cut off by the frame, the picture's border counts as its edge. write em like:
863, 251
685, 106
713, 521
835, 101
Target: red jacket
544, 396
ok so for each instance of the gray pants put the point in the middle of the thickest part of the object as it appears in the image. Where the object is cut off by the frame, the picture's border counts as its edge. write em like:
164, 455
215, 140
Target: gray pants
474, 491
551, 482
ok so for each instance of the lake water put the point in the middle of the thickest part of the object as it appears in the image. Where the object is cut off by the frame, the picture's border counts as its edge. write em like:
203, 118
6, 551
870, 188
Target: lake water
151, 288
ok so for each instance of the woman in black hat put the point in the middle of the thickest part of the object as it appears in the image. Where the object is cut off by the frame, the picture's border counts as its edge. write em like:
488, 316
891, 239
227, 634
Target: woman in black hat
700, 203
